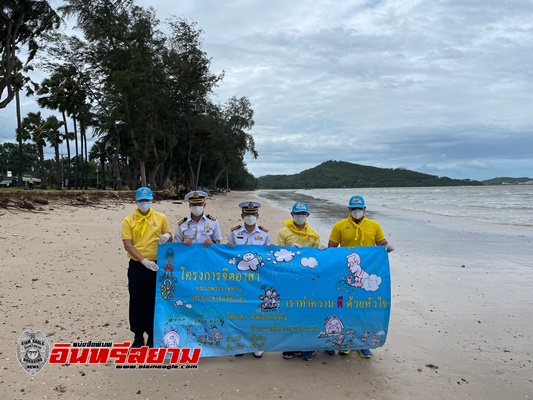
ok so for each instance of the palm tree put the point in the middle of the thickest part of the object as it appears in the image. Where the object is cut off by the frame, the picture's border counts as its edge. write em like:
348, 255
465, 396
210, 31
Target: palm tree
55, 94
55, 138
19, 82
34, 128
98, 152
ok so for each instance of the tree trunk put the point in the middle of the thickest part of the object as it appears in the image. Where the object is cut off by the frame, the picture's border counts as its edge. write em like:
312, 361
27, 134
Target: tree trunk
59, 170
86, 164
142, 166
217, 177
115, 165
199, 167
152, 175
77, 180
44, 176
19, 137
115, 169
68, 149
102, 165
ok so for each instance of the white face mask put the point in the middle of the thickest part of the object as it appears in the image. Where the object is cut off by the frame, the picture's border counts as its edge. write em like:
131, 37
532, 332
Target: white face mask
197, 210
357, 213
250, 219
144, 206
299, 219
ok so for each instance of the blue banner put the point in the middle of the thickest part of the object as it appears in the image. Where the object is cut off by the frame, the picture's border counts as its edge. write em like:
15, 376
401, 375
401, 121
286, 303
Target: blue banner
240, 299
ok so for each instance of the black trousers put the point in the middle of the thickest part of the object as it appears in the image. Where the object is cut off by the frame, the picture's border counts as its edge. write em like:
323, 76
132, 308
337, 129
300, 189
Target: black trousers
141, 286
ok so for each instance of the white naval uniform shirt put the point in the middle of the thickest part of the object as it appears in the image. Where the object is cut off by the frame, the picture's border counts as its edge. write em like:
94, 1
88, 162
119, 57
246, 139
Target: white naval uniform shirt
240, 235
198, 232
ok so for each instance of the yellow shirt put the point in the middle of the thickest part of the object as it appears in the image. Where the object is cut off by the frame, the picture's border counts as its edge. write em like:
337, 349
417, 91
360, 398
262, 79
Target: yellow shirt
348, 233
290, 234
156, 225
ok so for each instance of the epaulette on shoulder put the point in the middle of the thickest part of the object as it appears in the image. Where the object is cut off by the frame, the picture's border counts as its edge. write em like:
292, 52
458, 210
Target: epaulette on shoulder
181, 221
235, 228
263, 228
211, 217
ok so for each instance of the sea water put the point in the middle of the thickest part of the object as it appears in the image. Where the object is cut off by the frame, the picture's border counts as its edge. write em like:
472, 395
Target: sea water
502, 204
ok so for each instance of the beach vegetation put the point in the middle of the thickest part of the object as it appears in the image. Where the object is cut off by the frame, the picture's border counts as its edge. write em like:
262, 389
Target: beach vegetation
22, 24
143, 96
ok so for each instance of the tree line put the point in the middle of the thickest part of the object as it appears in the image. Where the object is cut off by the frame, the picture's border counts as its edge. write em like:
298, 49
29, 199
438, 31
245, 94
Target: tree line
144, 95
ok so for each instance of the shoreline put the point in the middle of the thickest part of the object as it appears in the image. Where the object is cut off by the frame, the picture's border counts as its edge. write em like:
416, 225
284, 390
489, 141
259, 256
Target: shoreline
454, 332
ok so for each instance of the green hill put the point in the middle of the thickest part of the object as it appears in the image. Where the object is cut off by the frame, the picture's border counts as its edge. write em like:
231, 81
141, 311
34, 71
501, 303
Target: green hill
338, 174
508, 181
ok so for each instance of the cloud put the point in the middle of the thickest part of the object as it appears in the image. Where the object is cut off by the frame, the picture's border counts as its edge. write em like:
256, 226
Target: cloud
436, 87
371, 284
284, 255
309, 262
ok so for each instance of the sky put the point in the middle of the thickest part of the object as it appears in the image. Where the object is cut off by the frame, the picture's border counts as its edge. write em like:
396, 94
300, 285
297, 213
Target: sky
443, 87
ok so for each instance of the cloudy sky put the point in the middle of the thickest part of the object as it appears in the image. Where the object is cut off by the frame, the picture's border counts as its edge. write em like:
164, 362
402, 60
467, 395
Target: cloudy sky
437, 86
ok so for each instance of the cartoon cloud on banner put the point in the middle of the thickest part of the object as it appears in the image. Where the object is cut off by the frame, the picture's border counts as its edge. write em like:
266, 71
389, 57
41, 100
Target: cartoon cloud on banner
232, 300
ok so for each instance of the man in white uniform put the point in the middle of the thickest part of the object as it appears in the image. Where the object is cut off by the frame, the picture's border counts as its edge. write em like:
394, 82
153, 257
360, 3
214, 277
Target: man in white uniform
249, 233
197, 227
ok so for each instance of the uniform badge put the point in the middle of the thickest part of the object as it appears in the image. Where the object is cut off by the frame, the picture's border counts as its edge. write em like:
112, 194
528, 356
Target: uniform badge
33, 351
207, 228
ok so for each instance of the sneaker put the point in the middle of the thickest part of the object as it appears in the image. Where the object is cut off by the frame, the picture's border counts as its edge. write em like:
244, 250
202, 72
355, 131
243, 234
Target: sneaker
330, 352
344, 352
308, 355
365, 353
287, 354
297, 353
137, 342
258, 354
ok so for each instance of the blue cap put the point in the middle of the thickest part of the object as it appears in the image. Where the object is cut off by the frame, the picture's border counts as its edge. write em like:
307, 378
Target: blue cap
356, 202
300, 207
143, 193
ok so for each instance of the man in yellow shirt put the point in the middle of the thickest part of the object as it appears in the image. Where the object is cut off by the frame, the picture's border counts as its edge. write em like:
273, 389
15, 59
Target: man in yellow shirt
297, 232
142, 231
357, 230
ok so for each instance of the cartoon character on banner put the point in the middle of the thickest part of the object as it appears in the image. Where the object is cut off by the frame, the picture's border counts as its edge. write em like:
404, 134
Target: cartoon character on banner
250, 262
167, 279
357, 277
171, 338
270, 300
356, 274
333, 328
203, 328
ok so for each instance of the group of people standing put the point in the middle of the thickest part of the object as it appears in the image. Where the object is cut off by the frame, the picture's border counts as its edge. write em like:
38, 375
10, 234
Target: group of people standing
145, 229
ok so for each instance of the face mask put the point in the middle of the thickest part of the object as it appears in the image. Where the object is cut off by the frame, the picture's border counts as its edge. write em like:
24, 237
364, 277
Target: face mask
299, 219
197, 210
144, 206
250, 219
357, 213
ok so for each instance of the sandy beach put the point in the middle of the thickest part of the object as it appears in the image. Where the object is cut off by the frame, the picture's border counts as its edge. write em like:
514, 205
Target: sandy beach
460, 322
